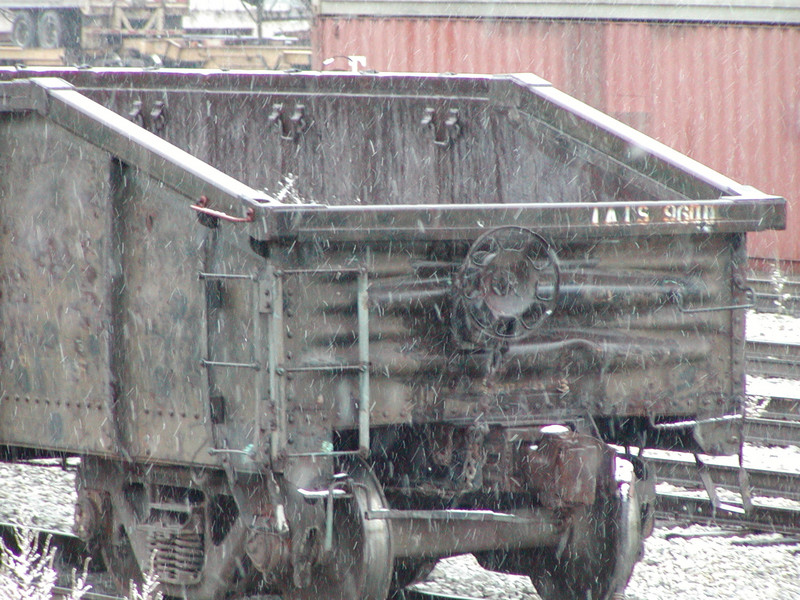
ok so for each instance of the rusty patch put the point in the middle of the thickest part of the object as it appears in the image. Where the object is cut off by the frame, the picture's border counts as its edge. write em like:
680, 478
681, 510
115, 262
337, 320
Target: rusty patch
441, 445
567, 469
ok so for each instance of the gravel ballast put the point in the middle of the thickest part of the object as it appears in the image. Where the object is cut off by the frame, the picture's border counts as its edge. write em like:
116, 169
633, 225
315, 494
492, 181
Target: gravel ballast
680, 563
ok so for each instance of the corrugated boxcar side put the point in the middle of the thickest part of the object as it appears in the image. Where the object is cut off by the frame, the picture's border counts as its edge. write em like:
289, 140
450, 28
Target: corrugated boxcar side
725, 94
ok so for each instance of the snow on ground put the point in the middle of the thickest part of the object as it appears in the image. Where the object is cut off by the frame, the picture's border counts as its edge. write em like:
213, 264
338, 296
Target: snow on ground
677, 567
768, 327
40, 496
765, 387
679, 563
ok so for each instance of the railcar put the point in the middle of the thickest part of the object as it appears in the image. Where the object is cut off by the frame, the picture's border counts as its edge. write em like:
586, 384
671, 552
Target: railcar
309, 333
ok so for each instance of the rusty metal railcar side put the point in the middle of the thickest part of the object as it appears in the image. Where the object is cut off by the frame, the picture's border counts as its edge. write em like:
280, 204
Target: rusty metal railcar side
460, 264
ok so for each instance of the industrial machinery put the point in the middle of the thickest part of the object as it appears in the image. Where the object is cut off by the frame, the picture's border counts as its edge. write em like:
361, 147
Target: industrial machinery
309, 332
86, 23
147, 33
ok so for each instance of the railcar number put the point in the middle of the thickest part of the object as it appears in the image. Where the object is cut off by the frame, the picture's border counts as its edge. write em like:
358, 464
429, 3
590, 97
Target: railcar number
640, 215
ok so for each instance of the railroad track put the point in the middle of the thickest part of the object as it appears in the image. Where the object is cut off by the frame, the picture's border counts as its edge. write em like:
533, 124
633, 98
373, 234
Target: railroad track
776, 295
62, 592
407, 594
411, 594
695, 505
773, 359
773, 430
682, 471
696, 509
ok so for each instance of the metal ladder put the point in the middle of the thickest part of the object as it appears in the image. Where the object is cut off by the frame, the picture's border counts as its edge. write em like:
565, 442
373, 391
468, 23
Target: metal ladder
278, 370
215, 408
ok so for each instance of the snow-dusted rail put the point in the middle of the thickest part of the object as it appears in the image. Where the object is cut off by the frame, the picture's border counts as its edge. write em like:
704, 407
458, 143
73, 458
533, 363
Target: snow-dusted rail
691, 508
773, 359
776, 294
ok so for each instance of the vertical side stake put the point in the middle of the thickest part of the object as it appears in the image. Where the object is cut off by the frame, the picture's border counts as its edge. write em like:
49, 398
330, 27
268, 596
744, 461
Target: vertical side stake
363, 356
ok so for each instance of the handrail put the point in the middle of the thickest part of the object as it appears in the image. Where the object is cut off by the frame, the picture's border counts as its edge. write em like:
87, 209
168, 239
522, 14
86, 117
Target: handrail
61, 103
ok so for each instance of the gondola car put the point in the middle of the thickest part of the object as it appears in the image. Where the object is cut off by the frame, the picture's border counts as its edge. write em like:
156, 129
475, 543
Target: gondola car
309, 332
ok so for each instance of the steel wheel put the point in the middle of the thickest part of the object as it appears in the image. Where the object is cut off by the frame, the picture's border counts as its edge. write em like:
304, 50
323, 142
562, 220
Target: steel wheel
360, 564
51, 29
597, 553
603, 545
23, 33
585, 567
120, 561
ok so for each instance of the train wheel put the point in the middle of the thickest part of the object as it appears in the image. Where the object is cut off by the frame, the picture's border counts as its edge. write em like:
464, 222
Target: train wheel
359, 566
120, 561
584, 568
23, 33
597, 553
51, 29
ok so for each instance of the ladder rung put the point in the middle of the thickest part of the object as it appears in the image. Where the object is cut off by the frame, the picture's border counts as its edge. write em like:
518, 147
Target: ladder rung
230, 365
323, 367
203, 275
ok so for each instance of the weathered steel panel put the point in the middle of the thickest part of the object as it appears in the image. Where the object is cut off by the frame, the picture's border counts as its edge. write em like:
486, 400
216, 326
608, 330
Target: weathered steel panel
159, 307
100, 303
725, 94
55, 292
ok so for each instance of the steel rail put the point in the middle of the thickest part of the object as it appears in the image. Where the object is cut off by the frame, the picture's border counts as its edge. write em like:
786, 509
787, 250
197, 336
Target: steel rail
771, 302
694, 509
767, 483
773, 359
407, 594
774, 415
415, 594
59, 538
63, 592
773, 430
775, 295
